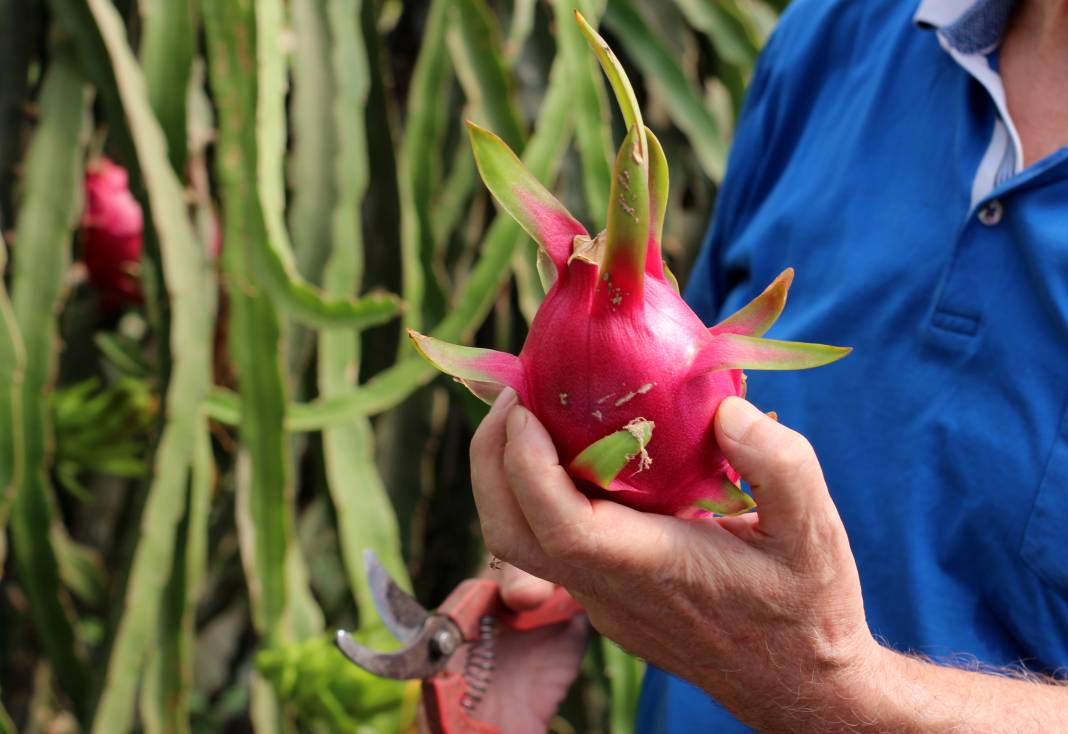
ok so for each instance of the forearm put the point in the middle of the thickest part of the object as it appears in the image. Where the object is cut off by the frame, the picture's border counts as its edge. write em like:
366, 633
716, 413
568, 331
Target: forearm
906, 694
890, 692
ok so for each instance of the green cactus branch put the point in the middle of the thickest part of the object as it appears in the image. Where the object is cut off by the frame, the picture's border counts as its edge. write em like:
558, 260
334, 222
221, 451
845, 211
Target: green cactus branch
7, 726
520, 28
313, 151
478, 54
729, 28
233, 46
76, 18
487, 79
419, 171
736, 36
247, 73
303, 616
168, 47
12, 364
50, 207
168, 689
272, 254
365, 514
168, 684
542, 156
191, 287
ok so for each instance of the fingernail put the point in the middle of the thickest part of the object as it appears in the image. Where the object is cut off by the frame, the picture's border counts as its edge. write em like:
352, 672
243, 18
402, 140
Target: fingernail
735, 416
517, 422
504, 401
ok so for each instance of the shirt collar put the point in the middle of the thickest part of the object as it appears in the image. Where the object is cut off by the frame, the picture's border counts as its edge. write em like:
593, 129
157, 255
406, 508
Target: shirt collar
968, 26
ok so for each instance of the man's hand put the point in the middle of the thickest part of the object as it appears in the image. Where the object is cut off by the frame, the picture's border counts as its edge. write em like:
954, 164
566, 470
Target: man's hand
763, 610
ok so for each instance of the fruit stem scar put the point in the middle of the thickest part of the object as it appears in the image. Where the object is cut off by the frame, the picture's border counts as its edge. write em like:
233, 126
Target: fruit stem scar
636, 429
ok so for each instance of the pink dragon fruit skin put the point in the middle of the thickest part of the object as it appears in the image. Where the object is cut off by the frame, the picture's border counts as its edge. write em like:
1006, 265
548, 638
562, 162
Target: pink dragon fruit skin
624, 376
625, 364
111, 232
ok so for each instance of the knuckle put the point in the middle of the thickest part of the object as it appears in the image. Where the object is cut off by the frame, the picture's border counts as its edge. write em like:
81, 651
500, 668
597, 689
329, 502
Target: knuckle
499, 549
518, 465
792, 452
563, 543
495, 540
478, 449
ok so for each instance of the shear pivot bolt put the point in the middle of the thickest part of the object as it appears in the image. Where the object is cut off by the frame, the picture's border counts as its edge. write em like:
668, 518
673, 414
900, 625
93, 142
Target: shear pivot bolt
443, 643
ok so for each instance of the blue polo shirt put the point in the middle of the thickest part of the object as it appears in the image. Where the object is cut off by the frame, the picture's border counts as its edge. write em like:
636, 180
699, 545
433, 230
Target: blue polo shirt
877, 157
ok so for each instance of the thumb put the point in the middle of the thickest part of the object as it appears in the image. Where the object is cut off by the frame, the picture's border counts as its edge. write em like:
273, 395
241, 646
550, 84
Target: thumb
520, 590
778, 463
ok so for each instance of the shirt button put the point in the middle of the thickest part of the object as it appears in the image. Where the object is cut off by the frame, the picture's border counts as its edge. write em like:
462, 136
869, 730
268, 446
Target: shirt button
991, 213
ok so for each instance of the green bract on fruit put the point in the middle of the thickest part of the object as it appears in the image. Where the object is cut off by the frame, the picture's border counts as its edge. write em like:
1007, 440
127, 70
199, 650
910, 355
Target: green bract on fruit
621, 372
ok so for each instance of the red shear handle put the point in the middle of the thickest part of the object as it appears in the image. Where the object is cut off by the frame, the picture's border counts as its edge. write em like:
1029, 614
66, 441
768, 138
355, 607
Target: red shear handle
559, 607
475, 598
442, 704
443, 695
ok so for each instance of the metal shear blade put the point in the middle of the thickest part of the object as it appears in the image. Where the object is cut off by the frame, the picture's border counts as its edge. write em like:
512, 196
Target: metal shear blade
423, 658
431, 639
402, 615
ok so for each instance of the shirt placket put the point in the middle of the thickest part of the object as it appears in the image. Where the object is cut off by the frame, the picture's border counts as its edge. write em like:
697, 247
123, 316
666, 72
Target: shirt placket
956, 317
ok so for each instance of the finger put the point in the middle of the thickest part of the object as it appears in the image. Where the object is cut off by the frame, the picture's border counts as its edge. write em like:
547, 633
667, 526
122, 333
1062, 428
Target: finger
504, 529
572, 530
744, 527
549, 500
521, 590
778, 463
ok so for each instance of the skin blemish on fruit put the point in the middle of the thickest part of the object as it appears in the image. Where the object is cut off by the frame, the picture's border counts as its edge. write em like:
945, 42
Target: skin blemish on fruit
604, 398
635, 393
563, 398
624, 180
627, 208
598, 415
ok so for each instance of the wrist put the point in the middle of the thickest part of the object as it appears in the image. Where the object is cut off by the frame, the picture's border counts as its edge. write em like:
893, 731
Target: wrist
849, 693
838, 688
846, 693
871, 694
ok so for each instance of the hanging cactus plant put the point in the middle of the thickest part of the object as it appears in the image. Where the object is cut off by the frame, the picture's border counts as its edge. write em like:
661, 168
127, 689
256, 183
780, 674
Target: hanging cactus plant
622, 373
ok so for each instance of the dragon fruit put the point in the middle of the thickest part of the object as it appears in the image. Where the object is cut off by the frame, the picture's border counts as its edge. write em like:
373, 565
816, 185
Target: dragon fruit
111, 228
624, 376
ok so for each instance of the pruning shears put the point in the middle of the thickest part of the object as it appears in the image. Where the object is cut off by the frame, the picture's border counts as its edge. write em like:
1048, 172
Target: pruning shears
467, 620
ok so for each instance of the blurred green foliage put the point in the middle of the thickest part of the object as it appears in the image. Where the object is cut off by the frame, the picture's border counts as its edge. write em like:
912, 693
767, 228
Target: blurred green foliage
187, 482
